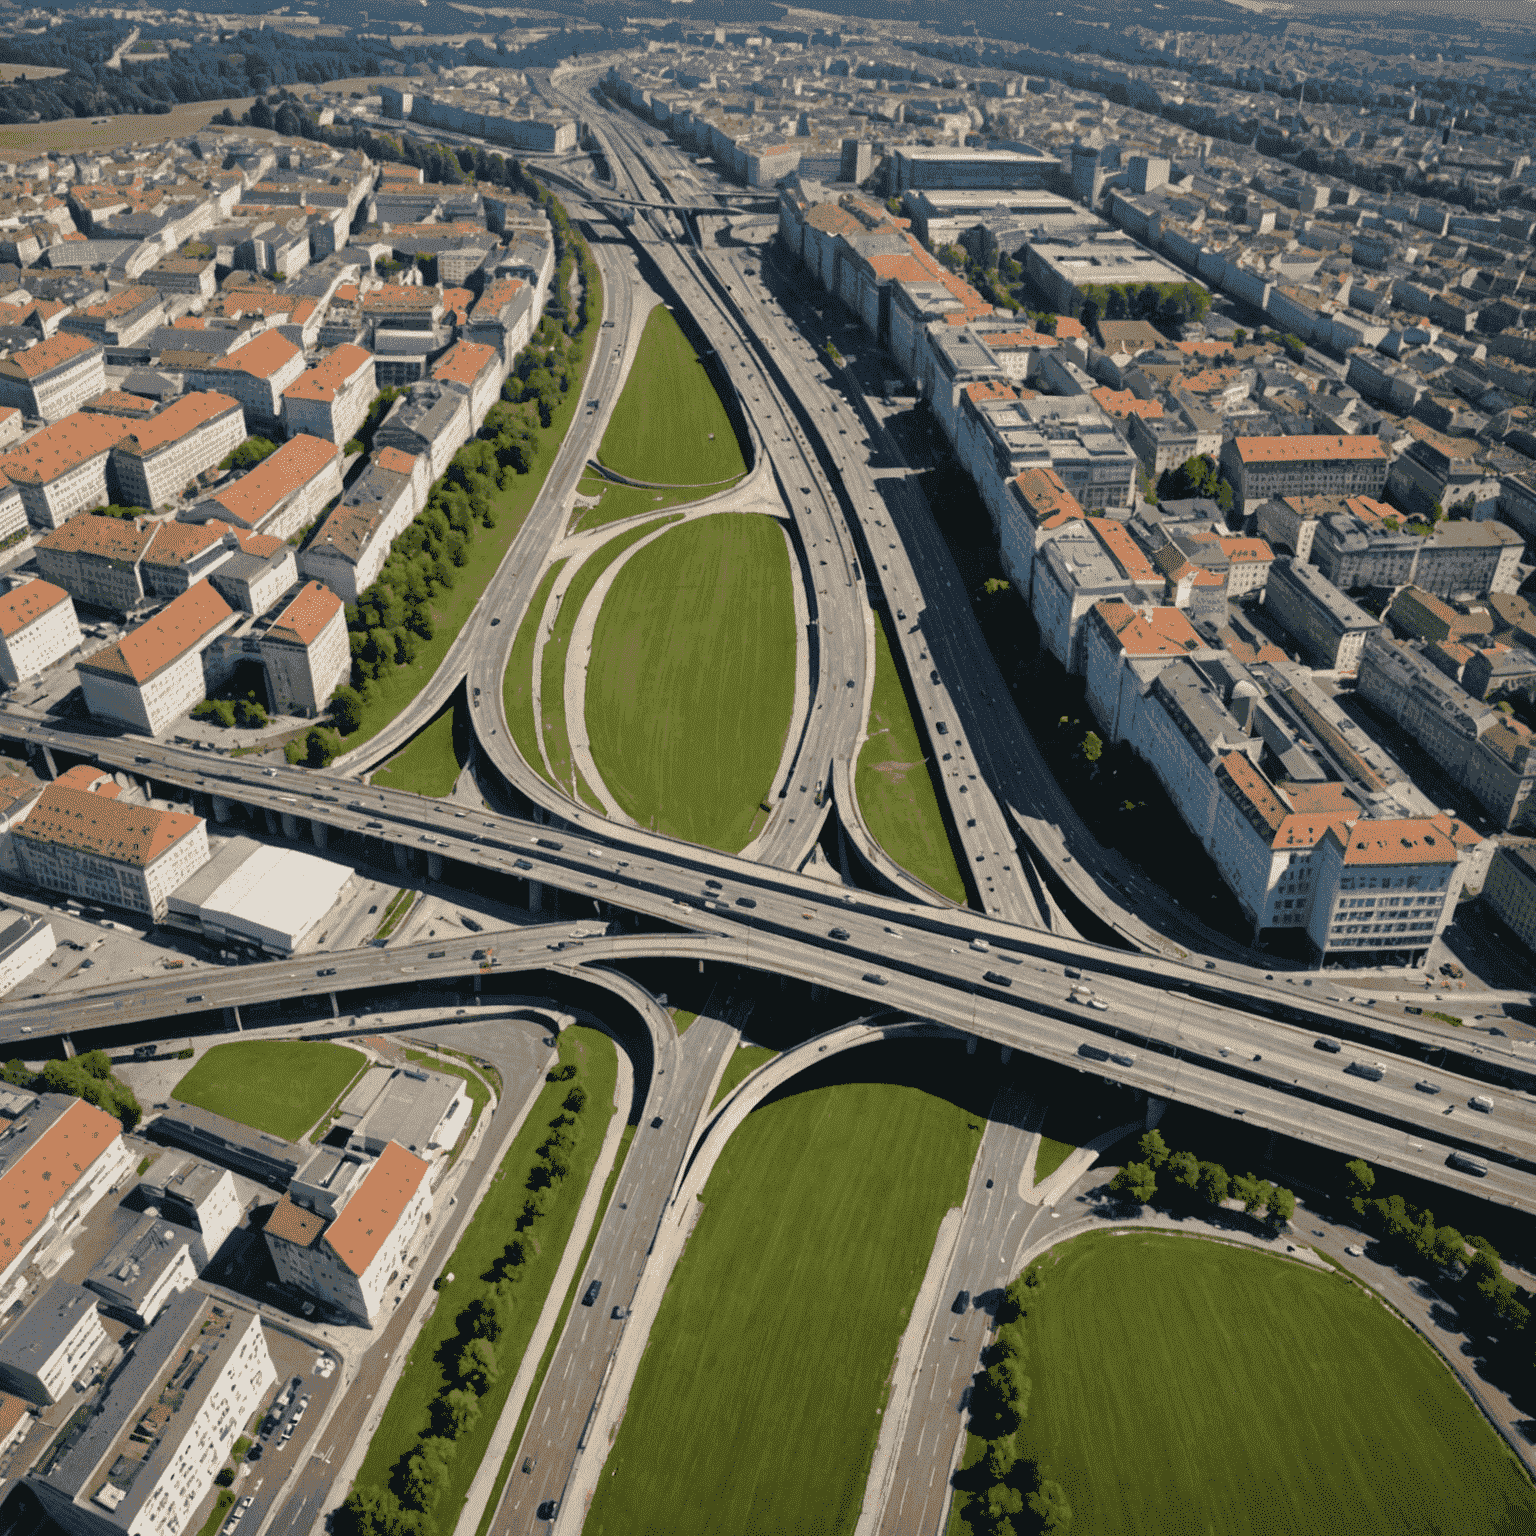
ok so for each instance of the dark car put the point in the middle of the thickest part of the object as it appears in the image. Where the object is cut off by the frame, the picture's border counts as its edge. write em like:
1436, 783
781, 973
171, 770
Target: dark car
997, 979
745, 901
494, 623
592, 1293
961, 1302
529, 1463
547, 1510
838, 933
657, 1123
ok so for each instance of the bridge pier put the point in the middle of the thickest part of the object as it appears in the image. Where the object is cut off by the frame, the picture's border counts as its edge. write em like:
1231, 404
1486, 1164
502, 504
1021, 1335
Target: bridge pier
535, 895
335, 1006
232, 1016
402, 857
970, 1045
1155, 1108
271, 816
221, 810
478, 979
321, 834
434, 866
53, 767
69, 1048
290, 824
1007, 1054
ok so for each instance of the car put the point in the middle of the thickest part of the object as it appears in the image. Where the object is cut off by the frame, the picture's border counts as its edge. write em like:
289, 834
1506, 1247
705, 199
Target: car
933, 675
590, 1295
997, 979
1354, 1250
329, 970
1481, 1102
495, 622
745, 901
657, 1122
1460, 1160
245, 1503
271, 773
618, 1314
875, 979
960, 1303
1098, 1005
1425, 1086
714, 885
529, 1463
942, 728
254, 1454
841, 934
547, 1510
1323, 1043
1072, 975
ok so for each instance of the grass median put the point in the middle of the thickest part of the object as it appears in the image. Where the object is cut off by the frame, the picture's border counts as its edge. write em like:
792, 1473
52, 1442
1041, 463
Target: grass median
669, 425
617, 502
556, 732
1184, 1385
431, 761
517, 687
894, 782
757, 1404
278, 1086
478, 1258
691, 687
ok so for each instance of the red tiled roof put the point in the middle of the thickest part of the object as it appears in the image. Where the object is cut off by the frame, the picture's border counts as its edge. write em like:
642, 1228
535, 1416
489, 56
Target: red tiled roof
27, 603
1413, 840
177, 421
48, 1170
307, 615
463, 363
103, 825
179, 627
110, 538
295, 464
396, 460
376, 1205
261, 357
330, 374
1158, 632
64, 446
50, 353
1310, 449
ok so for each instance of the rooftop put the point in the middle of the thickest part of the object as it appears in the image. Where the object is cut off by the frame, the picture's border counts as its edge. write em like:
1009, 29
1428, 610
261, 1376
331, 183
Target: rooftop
178, 420
104, 826
330, 374
47, 1164
181, 626
261, 357
53, 352
1308, 449
376, 1205
302, 621
27, 603
67, 444
295, 464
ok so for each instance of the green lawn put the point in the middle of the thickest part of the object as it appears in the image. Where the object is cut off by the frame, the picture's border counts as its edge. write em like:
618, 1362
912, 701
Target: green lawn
621, 501
756, 1406
390, 694
279, 1086
669, 426
1186, 1386
745, 1060
408, 1417
557, 741
895, 786
431, 761
692, 683
1051, 1156
517, 688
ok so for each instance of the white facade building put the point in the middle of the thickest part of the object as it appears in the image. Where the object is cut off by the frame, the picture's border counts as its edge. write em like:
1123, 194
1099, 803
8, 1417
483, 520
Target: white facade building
37, 627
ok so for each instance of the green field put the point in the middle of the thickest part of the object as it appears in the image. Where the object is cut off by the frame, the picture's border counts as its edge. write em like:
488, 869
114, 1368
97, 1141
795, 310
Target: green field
431, 761
669, 426
390, 694
895, 786
1051, 1156
279, 1086
756, 1406
517, 687
557, 740
1182, 1385
745, 1060
691, 689
409, 1414
622, 501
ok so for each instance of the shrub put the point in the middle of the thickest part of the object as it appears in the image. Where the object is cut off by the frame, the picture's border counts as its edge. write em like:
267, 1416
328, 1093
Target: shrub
576, 1099
249, 454
561, 1074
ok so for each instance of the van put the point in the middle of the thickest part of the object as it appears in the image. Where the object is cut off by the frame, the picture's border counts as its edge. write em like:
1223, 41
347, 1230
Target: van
1098, 1005
980, 945
1122, 1058
1465, 1164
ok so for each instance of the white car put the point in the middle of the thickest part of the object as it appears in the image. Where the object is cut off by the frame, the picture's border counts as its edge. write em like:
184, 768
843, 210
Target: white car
1355, 1251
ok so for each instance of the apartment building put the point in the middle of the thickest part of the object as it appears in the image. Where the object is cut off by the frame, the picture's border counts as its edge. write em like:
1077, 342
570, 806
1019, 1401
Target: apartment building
181, 554
1328, 626
306, 652
51, 1345
154, 461
91, 844
62, 470
197, 1197
57, 1160
54, 376
154, 674
256, 373
97, 560
475, 370
1459, 557
947, 168
146, 1458
1501, 771
1259, 468
1385, 889
347, 1246
330, 400
283, 495
432, 421
25, 943
350, 546
37, 628
1430, 708
503, 317
148, 1265
122, 318
1124, 648
256, 573
1080, 565
1036, 504
1509, 892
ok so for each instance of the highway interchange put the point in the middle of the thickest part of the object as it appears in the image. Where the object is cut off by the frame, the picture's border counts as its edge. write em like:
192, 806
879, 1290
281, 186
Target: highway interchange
1157, 1016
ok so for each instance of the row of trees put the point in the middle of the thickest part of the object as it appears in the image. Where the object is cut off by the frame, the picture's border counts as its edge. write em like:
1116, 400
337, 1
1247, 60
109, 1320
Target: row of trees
249, 713
1011, 1494
1192, 1186
1470, 1267
423, 1477
87, 1077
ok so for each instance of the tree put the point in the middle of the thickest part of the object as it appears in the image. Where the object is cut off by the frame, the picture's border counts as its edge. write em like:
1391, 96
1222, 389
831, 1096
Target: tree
347, 709
1091, 747
320, 746
1282, 1206
1048, 1504
249, 713
561, 1074
1239, 337
427, 1471
1153, 1149
1002, 1502
459, 1411
1214, 1182
370, 1511
476, 1365
220, 711
1249, 1190
249, 454
576, 1099
1002, 1454
1184, 1174
1136, 1181
1359, 1181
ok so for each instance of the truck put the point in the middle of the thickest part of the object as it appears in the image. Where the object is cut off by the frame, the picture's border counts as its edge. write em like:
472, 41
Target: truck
1482, 1102
1464, 1164
1371, 1071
